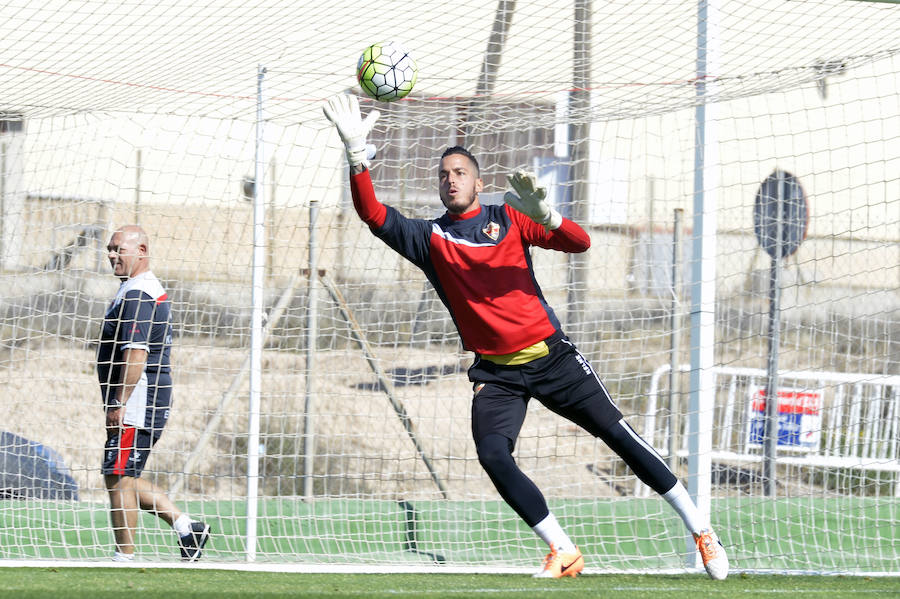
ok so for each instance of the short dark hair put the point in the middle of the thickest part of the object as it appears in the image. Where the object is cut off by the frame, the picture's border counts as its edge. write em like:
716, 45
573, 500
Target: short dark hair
464, 152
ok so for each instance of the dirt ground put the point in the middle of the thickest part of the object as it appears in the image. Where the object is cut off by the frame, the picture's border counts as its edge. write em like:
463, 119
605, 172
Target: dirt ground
50, 395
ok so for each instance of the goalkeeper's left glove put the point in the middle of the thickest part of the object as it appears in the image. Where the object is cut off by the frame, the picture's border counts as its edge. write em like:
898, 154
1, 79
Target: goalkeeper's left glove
531, 200
343, 111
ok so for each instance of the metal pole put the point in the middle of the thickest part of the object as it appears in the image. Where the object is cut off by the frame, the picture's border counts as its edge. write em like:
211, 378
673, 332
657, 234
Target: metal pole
703, 270
312, 316
580, 140
490, 65
771, 430
270, 224
674, 339
256, 328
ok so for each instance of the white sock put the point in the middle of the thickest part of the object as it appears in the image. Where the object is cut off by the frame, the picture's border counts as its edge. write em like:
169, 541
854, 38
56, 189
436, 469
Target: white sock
552, 533
123, 557
182, 525
682, 503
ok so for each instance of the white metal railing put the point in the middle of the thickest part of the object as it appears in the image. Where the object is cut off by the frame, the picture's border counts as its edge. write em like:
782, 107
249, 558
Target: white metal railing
855, 420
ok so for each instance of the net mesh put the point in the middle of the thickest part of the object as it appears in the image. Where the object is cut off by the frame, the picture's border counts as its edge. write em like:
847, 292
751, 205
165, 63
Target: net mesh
117, 113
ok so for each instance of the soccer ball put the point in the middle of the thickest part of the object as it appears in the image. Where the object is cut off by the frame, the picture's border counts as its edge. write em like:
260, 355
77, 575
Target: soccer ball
386, 71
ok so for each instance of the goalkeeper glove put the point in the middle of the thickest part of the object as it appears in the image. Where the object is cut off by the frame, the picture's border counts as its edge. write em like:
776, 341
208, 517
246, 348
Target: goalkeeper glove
531, 200
343, 111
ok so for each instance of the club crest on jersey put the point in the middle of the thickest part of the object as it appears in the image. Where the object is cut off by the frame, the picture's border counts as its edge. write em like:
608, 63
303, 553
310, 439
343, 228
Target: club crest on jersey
492, 230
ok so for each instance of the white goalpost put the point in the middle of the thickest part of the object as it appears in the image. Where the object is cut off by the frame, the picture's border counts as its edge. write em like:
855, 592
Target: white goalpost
321, 408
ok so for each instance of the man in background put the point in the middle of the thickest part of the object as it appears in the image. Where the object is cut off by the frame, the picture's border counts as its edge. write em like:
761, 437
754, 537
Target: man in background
136, 387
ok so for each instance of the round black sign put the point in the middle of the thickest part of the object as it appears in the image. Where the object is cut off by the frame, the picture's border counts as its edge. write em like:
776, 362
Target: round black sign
794, 213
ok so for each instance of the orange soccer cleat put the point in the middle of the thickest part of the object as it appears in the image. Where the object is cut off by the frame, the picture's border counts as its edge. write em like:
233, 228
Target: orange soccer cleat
558, 564
713, 553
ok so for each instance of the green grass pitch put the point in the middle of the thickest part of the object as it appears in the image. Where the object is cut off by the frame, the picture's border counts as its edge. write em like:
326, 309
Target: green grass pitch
370, 533
794, 535
90, 583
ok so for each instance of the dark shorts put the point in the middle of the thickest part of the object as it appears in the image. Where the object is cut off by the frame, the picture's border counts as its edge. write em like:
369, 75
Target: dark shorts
126, 454
563, 381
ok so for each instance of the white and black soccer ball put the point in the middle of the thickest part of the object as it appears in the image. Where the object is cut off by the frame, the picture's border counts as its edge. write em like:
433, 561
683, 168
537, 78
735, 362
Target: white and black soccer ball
386, 71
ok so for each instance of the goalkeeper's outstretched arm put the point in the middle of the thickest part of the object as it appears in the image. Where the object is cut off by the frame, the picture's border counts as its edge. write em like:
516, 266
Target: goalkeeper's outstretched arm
531, 200
343, 111
370, 210
555, 231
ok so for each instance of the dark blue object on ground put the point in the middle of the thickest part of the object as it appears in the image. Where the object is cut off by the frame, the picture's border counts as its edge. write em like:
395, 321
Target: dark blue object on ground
29, 470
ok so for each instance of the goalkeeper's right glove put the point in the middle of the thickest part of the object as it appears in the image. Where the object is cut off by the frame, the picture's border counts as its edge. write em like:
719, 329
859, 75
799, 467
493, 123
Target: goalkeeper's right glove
343, 111
531, 200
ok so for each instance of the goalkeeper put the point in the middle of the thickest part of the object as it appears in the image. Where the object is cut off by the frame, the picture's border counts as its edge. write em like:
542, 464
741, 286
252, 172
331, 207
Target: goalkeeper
477, 258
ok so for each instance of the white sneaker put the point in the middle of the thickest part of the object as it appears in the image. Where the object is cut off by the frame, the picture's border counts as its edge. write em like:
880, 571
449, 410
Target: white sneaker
713, 553
122, 557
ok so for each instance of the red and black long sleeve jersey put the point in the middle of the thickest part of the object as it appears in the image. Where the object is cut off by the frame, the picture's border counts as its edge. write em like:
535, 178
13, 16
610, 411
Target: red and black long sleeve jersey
480, 265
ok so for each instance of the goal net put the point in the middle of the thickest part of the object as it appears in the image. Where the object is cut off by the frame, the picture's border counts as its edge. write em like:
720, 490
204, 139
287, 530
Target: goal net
674, 133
